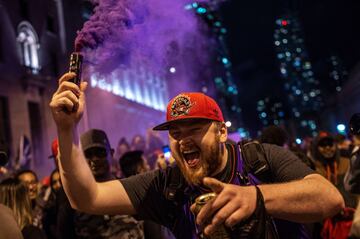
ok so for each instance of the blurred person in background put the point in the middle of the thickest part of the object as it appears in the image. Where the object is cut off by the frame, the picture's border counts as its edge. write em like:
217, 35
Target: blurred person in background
132, 163
154, 145
122, 147
50, 210
55, 181
352, 177
30, 180
306, 146
4, 159
138, 143
75, 224
162, 161
54, 152
278, 136
9, 227
330, 164
274, 135
14, 195
344, 145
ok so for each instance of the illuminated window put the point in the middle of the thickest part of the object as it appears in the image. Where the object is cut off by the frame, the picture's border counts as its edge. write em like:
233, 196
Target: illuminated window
137, 84
29, 46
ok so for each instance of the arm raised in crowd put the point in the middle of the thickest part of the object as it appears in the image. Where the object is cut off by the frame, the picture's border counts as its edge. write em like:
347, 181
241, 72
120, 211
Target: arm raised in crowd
84, 193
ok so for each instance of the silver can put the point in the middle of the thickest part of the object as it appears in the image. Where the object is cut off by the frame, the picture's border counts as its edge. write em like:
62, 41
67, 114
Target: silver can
222, 232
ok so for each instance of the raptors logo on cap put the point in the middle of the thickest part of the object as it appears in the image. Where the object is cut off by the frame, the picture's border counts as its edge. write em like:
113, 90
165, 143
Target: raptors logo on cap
180, 106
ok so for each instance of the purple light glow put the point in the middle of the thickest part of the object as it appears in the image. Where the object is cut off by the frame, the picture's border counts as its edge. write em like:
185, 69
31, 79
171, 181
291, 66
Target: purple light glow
154, 34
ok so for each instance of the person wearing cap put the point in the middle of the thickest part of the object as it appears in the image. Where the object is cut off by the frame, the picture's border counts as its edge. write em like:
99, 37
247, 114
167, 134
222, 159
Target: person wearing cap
55, 152
330, 164
197, 137
98, 153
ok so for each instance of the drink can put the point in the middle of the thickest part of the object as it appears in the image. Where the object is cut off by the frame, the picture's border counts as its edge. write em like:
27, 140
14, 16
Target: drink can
222, 232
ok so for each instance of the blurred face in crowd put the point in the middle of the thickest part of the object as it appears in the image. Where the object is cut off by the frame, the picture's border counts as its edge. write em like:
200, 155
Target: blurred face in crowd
138, 143
144, 166
55, 181
344, 144
31, 182
327, 148
356, 140
97, 159
123, 148
197, 146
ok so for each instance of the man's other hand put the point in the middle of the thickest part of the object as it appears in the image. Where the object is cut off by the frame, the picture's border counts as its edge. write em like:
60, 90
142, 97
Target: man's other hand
232, 205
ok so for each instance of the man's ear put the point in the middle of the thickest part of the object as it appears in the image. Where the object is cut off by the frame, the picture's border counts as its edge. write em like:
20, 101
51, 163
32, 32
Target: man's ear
223, 132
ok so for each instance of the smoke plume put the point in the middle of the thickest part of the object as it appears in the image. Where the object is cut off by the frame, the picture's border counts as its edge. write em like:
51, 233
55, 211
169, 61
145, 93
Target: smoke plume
155, 33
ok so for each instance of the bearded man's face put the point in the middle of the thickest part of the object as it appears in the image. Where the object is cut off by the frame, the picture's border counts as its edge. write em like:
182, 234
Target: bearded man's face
197, 148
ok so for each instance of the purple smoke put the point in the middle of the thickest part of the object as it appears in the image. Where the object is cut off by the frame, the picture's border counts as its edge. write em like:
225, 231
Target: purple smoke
154, 33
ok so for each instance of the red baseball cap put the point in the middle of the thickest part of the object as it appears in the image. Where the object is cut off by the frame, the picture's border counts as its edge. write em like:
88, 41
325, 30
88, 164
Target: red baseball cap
54, 148
192, 105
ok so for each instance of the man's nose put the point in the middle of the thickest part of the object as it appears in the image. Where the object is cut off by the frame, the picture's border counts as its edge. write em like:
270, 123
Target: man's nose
185, 141
96, 159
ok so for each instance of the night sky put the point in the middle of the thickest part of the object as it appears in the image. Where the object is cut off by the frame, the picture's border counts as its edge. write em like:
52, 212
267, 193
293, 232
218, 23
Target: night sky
330, 27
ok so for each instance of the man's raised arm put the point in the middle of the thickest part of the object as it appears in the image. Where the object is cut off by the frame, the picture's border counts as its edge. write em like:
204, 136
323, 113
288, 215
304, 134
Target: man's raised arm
84, 193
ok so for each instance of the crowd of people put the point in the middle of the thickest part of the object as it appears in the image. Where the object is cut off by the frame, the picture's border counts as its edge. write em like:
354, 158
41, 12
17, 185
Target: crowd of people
41, 208
269, 187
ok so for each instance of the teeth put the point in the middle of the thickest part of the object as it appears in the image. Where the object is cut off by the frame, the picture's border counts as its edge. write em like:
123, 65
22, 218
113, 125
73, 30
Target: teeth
189, 151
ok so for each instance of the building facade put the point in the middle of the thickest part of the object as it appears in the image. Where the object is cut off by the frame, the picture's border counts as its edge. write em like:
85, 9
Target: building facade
37, 38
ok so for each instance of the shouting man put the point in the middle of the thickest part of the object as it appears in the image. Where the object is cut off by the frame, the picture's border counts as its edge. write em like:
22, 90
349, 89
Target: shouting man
197, 138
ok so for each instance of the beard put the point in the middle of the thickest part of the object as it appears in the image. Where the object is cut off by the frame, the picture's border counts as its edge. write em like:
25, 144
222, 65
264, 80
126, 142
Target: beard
210, 162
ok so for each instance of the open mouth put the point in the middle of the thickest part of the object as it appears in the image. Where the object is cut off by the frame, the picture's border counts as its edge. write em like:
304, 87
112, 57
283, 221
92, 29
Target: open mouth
192, 157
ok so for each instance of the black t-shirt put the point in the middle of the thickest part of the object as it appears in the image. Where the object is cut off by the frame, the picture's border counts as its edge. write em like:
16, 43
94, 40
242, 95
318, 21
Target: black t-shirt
285, 165
147, 191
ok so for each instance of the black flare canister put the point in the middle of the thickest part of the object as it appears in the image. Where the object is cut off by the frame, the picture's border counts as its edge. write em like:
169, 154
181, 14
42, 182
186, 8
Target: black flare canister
76, 60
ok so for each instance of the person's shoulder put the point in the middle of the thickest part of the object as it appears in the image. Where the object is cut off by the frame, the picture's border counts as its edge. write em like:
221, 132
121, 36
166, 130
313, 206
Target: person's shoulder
278, 153
276, 149
272, 147
5, 210
156, 176
6, 214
